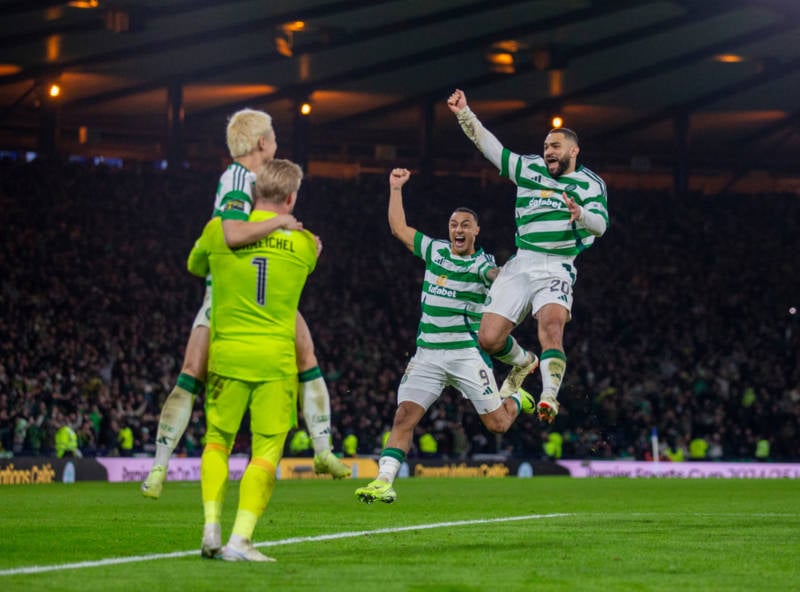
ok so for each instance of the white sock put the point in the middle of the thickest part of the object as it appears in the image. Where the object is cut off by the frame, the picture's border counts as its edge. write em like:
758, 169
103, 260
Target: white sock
317, 412
388, 468
175, 416
515, 356
552, 369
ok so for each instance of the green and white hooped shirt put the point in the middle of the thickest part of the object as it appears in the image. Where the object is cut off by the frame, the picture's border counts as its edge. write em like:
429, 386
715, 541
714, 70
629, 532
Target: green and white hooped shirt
453, 293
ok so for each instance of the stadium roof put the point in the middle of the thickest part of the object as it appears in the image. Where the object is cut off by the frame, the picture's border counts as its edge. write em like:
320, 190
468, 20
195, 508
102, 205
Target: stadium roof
634, 78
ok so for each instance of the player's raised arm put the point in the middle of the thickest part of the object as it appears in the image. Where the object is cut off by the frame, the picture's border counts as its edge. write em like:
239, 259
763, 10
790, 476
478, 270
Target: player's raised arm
486, 142
397, 214
457, 101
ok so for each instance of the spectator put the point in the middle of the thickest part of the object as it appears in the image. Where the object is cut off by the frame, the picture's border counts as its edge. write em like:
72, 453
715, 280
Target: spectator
67, 443
653, 349
300, 443
762, 450
428, 446
676, 452
350, 445
553, 445
125, 440
698, 448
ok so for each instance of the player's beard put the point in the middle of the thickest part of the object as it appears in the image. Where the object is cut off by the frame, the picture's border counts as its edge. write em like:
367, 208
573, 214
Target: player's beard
560, 165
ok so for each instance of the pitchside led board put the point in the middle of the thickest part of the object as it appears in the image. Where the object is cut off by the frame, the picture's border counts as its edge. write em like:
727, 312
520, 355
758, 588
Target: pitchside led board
19, 471
40, 471
115, 469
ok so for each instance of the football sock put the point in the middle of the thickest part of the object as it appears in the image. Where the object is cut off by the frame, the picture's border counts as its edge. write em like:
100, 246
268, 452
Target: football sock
175, 416
213, 480
389, 464
237, 539
512, 353
316, 405
552, 365
255, 491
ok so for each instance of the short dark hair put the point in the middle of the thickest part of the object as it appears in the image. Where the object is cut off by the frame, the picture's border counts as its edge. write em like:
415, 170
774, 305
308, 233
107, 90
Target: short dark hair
568, 133
467, 211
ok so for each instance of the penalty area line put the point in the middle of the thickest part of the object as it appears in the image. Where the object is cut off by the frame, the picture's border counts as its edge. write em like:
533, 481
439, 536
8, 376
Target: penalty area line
37, 569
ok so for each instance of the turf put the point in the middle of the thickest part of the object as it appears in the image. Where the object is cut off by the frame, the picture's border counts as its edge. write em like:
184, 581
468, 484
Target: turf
573, 534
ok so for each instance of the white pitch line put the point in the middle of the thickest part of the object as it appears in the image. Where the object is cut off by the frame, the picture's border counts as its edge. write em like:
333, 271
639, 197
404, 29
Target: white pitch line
37, 569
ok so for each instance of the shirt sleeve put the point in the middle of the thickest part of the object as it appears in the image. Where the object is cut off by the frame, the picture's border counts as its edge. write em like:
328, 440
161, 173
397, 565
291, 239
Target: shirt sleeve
312, 249
593, 222
594, 214
236, 205
485, 140
197, 263
422, 245
487, 264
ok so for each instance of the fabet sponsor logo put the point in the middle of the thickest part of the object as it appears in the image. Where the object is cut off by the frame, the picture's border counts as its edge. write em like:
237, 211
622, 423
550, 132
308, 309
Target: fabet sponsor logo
440, 291
546, 202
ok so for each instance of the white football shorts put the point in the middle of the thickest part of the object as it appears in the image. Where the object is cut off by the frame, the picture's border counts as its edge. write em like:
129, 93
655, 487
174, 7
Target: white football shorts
529, 281
430, 370
203, 316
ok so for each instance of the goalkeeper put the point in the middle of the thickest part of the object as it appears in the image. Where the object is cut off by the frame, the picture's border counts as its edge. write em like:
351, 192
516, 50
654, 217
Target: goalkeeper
252, 359
251, 143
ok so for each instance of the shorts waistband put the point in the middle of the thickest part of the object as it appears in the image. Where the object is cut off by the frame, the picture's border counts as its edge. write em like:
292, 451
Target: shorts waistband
539, 256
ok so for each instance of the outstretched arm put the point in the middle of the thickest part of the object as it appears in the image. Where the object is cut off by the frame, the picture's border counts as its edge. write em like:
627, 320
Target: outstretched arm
397, 214
486, 142
241, 232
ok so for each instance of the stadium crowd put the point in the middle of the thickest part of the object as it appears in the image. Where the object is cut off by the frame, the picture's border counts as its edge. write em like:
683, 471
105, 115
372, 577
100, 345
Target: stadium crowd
684, 319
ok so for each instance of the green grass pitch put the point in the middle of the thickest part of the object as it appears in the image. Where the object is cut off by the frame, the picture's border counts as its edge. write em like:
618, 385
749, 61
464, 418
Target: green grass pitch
441, 535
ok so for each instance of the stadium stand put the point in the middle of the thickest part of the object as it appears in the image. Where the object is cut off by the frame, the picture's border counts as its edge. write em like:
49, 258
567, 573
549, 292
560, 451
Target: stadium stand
682, 320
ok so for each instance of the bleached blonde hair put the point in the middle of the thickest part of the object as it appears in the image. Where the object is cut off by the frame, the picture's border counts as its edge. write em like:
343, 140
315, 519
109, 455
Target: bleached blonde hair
277, 179
245, 127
